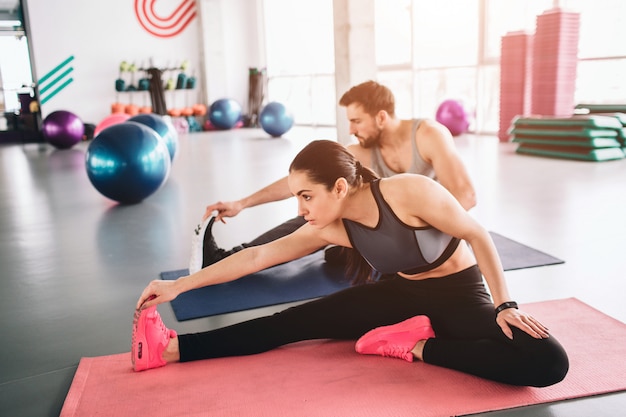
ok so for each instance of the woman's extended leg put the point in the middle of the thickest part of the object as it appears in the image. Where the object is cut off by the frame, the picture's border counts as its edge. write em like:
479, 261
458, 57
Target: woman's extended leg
467, 336
347, 314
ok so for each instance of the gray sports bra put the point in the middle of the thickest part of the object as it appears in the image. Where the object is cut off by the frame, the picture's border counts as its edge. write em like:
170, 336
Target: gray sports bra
393, 246
418, 165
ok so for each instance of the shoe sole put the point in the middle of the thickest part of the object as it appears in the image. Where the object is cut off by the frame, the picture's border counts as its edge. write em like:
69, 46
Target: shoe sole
137, 342
197, 245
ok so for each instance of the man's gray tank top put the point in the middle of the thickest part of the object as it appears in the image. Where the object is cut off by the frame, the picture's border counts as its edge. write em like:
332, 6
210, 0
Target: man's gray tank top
418, 166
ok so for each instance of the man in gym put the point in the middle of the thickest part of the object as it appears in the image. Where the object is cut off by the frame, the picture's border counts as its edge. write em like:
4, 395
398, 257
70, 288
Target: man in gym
386, 144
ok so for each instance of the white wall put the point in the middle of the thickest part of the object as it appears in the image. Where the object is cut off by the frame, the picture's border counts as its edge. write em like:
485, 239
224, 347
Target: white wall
355, 60
102, 34
232, 44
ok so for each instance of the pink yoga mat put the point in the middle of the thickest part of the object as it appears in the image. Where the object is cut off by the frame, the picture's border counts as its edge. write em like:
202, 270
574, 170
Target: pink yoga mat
327, 378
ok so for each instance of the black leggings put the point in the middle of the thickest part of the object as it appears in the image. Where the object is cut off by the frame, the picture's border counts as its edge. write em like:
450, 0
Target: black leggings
279, 231
460, 309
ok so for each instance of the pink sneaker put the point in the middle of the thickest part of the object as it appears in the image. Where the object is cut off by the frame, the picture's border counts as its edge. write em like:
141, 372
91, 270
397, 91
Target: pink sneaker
150, 338
396, 340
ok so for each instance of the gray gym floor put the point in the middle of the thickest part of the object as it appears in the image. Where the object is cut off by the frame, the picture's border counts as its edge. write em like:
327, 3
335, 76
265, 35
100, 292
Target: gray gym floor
72, 263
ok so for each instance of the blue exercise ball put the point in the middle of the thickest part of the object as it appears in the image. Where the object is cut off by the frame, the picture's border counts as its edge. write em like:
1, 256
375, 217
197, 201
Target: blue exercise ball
62, 129
225, 113
163, 127
275, 119
127, 162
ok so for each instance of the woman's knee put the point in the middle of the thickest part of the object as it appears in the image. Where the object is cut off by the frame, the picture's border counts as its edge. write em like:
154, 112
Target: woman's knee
559, 362
551, 363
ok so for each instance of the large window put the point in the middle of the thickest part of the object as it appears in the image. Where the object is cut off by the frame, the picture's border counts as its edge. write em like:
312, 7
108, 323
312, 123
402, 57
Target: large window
508, 16
15, 71
301, 58
427, 52
456, 44
445, 33
602, 52
393, 38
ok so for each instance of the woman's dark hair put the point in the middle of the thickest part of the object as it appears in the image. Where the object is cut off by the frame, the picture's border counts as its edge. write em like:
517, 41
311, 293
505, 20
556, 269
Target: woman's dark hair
372, 96
324, 162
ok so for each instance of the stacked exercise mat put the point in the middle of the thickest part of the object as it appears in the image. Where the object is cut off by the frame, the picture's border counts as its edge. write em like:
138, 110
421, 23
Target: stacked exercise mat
554, 62
600, 108
591, 137
515, 79
538, 70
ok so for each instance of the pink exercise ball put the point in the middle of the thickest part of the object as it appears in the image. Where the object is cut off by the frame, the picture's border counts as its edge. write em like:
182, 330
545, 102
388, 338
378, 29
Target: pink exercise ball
110, 120
453, 115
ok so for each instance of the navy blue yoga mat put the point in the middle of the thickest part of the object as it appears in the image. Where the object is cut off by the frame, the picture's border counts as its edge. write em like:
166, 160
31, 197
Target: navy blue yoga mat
306, 278
515, 255
301, 279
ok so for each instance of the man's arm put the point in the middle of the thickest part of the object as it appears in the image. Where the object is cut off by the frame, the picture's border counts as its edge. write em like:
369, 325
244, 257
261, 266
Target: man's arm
276, 191
436, 146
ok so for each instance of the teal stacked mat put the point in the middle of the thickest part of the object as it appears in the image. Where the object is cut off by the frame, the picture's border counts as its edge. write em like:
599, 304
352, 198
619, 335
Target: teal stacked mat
590, 137
601, 108
613, 110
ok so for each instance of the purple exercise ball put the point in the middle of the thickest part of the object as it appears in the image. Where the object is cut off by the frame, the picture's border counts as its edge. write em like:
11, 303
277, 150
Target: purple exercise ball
63, 129
453, 115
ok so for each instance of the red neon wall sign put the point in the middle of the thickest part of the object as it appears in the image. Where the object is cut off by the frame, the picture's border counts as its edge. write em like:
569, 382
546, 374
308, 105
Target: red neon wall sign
165, 26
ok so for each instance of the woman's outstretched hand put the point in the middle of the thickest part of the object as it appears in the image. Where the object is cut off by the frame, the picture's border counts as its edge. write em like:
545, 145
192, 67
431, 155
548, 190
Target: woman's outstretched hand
157, 292
523, 321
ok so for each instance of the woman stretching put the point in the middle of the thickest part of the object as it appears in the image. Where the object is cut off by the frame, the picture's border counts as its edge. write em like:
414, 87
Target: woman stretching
432, 305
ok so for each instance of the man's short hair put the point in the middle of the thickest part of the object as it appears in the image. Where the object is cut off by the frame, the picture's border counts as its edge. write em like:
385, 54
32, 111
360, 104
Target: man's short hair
372, 96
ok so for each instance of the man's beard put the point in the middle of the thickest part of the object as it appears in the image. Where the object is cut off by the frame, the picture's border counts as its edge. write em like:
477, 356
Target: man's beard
371, 141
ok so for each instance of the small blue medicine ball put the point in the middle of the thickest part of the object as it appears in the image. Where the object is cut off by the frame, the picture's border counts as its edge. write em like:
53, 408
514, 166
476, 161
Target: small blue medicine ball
225, 113
275, 119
